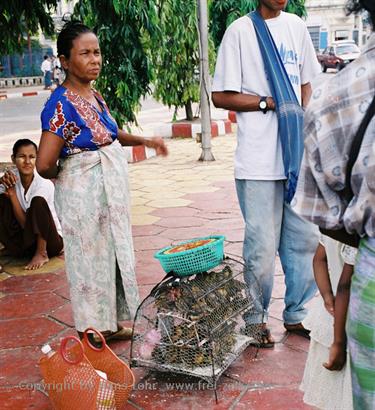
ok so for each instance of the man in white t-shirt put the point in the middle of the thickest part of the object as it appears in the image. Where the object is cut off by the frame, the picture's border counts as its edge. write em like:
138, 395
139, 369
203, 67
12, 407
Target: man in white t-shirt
46, 69
240, 84
28, 221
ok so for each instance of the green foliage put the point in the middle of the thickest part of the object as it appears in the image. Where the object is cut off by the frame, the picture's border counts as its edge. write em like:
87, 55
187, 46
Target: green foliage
224, 12
175, 54
21, 17
297, 7
123, 27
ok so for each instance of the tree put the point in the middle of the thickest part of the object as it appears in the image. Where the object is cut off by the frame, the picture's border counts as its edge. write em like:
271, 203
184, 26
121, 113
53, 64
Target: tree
123, 29
175, 54
20, 19
224, 12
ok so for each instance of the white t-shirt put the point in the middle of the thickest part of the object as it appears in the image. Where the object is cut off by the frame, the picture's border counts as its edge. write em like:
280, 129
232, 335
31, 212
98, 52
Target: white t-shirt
46, 66
39, 187
240, 68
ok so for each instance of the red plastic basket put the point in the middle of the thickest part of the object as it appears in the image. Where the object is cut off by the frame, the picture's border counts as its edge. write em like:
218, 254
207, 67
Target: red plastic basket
72, 383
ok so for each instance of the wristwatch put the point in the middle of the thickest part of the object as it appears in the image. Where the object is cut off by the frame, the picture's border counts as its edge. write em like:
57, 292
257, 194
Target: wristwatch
263, 106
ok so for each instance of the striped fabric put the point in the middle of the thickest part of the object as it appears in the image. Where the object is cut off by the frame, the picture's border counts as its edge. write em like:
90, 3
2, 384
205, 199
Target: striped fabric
288, 110
361, 327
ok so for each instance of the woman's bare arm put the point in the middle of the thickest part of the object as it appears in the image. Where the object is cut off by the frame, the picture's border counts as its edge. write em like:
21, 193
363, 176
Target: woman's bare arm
49, 150
156, 143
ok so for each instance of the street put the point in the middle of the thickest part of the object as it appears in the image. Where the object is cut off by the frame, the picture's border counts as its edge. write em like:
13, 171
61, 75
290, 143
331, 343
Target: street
20, 117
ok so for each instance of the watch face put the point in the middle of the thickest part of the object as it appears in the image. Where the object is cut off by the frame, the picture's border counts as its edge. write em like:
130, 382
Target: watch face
263, 105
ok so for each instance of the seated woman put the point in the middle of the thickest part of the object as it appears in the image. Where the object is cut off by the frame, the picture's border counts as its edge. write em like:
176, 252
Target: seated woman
28, 220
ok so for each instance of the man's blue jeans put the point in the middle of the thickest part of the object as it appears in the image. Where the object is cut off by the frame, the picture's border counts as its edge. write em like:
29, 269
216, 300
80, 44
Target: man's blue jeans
271, 227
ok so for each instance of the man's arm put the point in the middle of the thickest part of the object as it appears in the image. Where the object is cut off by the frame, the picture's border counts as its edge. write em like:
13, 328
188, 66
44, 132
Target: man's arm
231, 100
306, 92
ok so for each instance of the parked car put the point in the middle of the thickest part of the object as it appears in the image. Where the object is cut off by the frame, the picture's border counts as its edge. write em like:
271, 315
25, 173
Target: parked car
338, 55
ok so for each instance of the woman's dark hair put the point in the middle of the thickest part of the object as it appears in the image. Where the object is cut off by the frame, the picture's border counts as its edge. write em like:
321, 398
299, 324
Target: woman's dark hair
357, 6
70, 31
23, 143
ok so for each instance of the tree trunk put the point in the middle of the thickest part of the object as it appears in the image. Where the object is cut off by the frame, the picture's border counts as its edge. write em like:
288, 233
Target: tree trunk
189, 111
30, 52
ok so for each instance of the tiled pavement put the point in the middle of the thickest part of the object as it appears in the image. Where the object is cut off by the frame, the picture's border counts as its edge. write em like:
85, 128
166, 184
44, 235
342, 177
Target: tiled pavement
173, 198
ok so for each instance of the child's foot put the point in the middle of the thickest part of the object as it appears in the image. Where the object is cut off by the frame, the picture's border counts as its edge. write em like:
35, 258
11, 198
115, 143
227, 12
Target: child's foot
37, 261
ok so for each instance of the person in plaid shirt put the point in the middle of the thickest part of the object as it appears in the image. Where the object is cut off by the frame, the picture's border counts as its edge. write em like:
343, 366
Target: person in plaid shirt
332, 120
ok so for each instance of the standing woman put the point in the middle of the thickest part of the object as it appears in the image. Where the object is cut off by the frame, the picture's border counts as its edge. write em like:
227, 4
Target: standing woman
92, 192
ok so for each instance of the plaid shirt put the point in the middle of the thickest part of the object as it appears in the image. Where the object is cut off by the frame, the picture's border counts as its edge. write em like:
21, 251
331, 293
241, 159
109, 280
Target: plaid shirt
331, 122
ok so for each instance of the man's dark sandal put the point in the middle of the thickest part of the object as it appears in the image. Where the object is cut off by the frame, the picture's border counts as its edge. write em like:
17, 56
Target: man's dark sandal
298, 329
264, 341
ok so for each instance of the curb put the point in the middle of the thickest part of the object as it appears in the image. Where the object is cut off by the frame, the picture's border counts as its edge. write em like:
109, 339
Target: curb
190, 130
232, 116
139, 153
5, 96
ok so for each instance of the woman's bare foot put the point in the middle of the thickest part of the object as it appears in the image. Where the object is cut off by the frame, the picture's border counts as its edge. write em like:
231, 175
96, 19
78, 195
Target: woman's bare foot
37, 261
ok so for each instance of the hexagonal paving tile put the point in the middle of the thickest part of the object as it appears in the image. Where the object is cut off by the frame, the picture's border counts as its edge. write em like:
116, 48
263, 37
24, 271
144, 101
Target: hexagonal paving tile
27, 332
173, 202
277, 398
141, 210
143, 219
24, 284
23, 398
19, 365
29, 304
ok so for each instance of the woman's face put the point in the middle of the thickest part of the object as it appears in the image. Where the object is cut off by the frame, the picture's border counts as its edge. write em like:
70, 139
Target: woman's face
85, 60
25, 159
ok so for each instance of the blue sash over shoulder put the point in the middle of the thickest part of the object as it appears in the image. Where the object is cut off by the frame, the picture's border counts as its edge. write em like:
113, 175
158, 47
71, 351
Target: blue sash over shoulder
289, 111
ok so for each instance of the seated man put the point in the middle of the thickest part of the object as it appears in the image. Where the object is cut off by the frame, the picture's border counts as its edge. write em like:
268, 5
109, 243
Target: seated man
28, 220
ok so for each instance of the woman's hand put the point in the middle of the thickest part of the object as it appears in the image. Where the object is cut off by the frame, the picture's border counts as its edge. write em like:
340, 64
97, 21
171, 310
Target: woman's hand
9, 181
337, 357
157, 143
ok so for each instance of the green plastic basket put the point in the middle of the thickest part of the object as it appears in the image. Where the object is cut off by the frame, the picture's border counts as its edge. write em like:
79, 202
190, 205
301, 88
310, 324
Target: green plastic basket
192, 261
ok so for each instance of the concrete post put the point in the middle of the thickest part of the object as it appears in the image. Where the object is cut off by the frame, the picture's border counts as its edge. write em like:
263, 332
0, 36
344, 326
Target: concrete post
206, 154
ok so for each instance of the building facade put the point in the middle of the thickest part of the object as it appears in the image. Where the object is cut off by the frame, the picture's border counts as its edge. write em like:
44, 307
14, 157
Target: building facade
328, 22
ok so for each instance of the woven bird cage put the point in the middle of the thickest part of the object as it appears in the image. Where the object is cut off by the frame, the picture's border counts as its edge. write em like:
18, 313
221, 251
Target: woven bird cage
195, 325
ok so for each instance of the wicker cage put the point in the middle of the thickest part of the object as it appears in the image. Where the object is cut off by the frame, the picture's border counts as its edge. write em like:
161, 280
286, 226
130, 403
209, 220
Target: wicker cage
196, 325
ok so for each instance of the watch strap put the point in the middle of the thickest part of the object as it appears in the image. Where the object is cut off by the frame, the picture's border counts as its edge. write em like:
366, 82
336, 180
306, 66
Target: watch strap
263, 99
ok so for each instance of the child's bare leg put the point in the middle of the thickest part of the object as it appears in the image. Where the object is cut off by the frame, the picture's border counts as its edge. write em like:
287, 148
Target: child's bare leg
40, 257
337, 354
